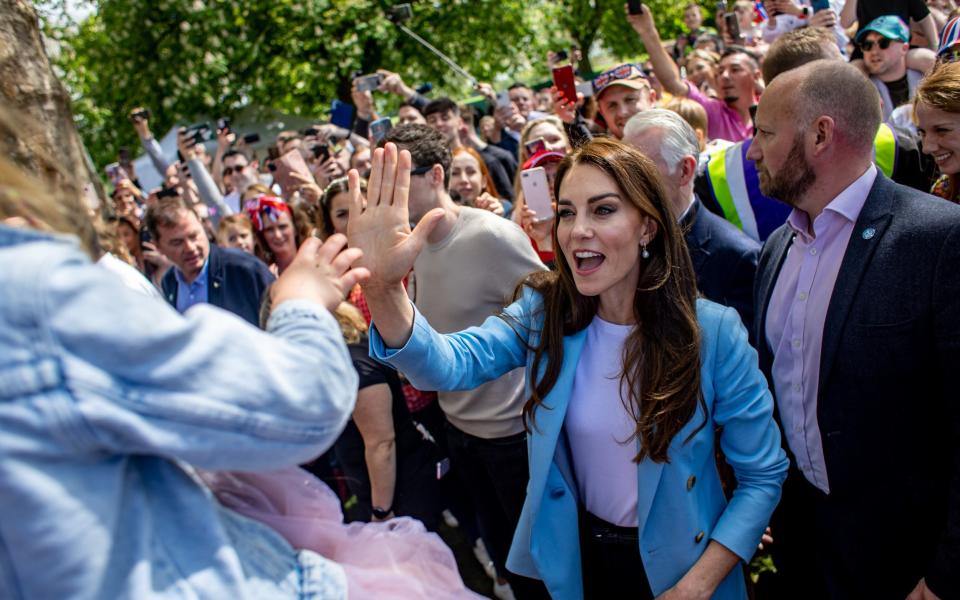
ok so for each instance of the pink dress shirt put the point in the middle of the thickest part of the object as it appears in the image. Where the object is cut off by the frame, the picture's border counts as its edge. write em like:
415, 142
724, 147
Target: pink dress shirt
797, 312
723, 122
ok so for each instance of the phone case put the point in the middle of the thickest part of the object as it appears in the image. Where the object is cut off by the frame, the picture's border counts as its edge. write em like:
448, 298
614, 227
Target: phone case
536, 192
341, 114
563, 79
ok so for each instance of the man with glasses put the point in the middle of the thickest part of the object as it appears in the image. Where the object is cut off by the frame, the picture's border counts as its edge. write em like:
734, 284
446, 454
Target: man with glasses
884, 43
468, 271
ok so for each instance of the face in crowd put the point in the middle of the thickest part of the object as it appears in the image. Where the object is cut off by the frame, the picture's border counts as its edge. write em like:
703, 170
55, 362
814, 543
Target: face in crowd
618, 103
185, 243
466, 178
339, 212
522, 98
599, 231
280, 237
692, 18
883, 56
447, 123
940, 136
737, 77
238, 173
237, 235
408, 115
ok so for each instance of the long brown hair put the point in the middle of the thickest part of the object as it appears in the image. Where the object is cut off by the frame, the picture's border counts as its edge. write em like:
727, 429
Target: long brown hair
661, 356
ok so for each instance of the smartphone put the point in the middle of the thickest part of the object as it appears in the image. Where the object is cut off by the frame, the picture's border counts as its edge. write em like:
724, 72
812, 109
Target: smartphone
123, 156
341, 114
141, 114
634, 7
321, 152
585, 89
563, 79
251, 138
536, 192
200, 133
170, 192
369, 83
400, 13
503, 99
733, 25
534, 146
379, 129
223, 124
145, 237
819, 5
289, 163
116, 173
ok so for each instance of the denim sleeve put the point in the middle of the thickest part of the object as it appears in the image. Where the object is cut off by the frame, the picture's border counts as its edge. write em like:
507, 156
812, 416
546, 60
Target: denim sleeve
205, 387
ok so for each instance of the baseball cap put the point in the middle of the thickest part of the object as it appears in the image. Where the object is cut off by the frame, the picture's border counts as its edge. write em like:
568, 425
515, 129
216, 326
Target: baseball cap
542, 157
629, 75
891, 27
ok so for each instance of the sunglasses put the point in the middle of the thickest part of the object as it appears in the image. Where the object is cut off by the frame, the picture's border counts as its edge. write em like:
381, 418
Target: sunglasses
232, 170
621, 72
867, 46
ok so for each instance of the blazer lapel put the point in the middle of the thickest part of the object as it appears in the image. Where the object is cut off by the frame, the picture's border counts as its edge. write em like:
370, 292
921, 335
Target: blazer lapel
215, 278
866, 236
551, 413
697, 236
779, 243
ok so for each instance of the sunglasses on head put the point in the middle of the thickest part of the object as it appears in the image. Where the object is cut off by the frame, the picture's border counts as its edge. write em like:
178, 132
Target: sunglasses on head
883, 42
421, 170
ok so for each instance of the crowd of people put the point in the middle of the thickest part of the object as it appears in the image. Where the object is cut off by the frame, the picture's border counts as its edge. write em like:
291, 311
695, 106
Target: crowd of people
621, 342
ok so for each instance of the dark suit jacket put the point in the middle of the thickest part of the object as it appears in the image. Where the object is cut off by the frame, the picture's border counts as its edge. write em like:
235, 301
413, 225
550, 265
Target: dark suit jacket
724, 258
888, 408
235, 282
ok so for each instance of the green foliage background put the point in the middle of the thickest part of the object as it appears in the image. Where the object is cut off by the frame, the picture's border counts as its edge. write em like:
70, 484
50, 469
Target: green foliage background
192, 59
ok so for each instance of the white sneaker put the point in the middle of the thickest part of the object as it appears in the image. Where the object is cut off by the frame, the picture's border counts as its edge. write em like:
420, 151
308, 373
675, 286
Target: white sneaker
483, 557
503, 591
449, 519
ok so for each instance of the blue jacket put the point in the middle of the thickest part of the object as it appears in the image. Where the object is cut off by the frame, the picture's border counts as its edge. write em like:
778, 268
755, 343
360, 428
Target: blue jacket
681, 505
106, 395
235, 282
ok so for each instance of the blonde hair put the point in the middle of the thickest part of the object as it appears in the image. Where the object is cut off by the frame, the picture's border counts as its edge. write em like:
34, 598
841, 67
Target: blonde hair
35, 188
352, 324
940, 89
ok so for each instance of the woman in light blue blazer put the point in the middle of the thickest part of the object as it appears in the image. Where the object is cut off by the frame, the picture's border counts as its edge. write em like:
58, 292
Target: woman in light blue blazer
629, 377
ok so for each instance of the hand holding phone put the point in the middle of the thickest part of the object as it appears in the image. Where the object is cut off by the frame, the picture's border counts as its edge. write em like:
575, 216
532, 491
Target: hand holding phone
536, 192
565, 82
634, 7
286, 166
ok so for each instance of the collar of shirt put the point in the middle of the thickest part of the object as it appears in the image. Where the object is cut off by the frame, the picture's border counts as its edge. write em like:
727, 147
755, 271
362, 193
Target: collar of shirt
686, 211
201, 279
847, 206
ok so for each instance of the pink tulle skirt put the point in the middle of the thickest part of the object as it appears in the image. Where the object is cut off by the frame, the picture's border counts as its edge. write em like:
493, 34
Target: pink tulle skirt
394, 559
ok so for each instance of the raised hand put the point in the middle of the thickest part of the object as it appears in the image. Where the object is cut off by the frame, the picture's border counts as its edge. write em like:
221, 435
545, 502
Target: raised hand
322, 272
381, 229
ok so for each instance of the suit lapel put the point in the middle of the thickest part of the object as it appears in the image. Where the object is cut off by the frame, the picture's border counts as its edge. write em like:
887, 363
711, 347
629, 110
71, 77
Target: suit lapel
215, 278
779, 243
697, 235
866, 236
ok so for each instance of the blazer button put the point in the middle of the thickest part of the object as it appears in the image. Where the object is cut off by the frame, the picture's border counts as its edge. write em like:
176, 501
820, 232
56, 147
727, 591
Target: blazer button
699, 538
691, 482
557, 493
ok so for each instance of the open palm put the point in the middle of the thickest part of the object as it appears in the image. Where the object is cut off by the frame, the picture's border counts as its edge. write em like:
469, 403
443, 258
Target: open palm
382, 228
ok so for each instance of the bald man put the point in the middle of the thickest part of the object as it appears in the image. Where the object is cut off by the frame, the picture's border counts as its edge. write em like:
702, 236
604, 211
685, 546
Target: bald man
858, 324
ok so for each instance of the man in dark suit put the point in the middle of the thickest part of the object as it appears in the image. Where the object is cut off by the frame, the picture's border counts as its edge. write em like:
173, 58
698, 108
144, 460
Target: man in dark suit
724, 258
228, 278
858, 325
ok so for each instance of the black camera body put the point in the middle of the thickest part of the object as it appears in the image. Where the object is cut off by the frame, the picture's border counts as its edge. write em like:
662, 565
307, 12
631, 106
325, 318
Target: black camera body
400, 13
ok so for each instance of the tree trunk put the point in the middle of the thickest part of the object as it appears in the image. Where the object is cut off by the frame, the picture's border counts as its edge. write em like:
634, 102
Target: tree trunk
47, 143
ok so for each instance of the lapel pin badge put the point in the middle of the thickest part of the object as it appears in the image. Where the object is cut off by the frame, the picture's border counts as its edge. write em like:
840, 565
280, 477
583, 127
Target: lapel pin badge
868, 233
216, 284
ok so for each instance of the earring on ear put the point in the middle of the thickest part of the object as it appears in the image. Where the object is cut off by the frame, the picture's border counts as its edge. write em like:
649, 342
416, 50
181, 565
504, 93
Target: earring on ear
644, 253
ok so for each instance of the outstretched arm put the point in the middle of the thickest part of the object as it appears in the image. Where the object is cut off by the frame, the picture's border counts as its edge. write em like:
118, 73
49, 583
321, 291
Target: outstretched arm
664, 67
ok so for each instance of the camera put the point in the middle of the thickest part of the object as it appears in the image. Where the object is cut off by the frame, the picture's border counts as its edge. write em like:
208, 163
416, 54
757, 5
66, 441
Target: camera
223, 124
143, 113
400, 13
369, 83
199, 133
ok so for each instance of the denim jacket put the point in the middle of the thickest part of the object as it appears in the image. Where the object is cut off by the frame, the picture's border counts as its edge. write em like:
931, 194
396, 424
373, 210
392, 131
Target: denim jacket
107, 395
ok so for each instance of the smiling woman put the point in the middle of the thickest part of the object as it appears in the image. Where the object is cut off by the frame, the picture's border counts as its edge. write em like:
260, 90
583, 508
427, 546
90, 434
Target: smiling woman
634, 374
937, 114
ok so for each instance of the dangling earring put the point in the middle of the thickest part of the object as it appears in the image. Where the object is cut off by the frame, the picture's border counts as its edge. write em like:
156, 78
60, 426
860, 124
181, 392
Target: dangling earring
643, 251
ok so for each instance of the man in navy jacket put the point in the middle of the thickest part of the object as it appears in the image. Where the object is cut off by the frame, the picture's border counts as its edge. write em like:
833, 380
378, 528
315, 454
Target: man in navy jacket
230, 279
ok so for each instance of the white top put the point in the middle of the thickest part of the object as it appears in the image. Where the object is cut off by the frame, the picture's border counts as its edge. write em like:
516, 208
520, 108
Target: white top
598, 425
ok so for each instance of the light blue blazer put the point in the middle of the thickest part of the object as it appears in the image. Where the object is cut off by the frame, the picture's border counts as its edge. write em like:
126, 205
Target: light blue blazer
681, 505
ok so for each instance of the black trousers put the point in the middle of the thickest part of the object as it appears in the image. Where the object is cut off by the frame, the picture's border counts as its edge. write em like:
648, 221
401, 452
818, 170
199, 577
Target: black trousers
610, 559
495, 473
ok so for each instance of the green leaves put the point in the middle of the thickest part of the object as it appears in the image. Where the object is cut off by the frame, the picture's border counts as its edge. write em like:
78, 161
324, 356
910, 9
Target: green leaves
193, 59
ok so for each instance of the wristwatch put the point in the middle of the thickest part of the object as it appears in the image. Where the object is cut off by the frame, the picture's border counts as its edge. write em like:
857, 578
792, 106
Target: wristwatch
381, 513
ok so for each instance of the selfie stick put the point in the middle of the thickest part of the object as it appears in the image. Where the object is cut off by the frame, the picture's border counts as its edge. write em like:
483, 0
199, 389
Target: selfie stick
460, 70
